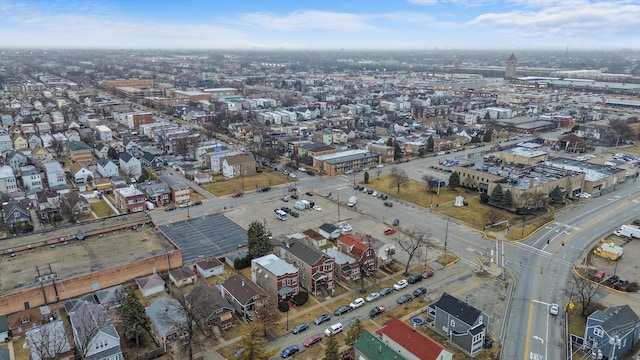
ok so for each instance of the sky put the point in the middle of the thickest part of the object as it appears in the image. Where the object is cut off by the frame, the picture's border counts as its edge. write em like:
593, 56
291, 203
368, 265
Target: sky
325, 24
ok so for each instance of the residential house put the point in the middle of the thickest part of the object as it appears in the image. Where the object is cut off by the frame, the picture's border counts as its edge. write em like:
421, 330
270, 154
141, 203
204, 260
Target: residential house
45, 127
315, 238
238, 165
72, 135
152, 160
179, 190
101, 150
81, 173
461, 323
31, 178
347, 267
150, 285
209, 267
612, 332
276, 276
202, 178
129, 199
243, 294
24, 320
112, 297
182, 276
570, 143
157, 192
7, 120
41, 156
130, 146
4, 329
16, 216
130, 165
47, 142
167, 320
107, 168
371, 347
210, 308
103, 343
359, 249
54, 173
34, 141
48, 205
6, 143
16, 159
412, 344
316, 268
79, 151
8, 183
104, 133
329, 231
76, 203
47, 340
20, 142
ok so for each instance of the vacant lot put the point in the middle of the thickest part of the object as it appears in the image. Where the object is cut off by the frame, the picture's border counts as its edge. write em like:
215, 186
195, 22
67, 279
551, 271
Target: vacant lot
222, 186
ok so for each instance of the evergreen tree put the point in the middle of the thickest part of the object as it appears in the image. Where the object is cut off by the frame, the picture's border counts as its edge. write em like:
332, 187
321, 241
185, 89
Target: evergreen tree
397, 151
390, 142
135, 321
487, 116
496, 195
449, 131
366, 177
112, 153
487, 136
332, 350
430, 144
454, 180
556, 194
353, 333
476, 140
507, 199
258, 240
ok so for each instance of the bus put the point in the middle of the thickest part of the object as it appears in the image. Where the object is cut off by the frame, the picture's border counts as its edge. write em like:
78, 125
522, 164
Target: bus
281, 215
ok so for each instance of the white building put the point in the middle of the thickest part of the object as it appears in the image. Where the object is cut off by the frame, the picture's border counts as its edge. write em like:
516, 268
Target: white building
104, 133
31, 177
54, 173
107, 168
8, 182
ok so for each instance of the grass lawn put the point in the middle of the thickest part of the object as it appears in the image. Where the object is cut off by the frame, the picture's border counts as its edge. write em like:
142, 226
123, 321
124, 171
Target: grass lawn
101, 209
222, 186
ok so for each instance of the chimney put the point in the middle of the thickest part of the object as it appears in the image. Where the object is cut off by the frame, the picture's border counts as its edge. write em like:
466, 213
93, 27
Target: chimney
242, 282
286, 243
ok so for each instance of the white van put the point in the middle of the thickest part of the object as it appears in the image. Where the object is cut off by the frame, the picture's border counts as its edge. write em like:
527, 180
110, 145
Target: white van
333, 329
281, 215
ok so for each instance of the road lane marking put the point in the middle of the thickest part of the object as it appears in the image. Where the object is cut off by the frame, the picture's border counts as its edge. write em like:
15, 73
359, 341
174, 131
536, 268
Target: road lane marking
526, 345
539, 338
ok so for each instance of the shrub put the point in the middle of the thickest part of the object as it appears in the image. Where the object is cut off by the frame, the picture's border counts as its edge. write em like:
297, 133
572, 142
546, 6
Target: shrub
283, 306
301, 298
632, 287
241, 263
484, 198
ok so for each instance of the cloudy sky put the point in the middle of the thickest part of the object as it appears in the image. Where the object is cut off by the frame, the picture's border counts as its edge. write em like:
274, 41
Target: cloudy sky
326, 24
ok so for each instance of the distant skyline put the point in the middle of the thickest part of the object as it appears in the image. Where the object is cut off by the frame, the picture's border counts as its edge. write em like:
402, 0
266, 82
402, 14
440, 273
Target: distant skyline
328, 24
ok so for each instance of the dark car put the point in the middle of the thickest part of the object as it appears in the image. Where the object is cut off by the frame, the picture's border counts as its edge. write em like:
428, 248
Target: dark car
170, 208
311, 173
285, 209
313, 339
322, 318
290, 351
197, 202
342, 310
309, 193
404, 298
395, 222
294, 213
415, 278
384, 197
386, 291
428, 274
264, 189
388, 204
419, 291
377, 311
293, 189
294, 197
300, 328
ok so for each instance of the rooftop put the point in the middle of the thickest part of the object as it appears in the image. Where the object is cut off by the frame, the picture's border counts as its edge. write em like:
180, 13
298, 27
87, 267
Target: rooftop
275, 265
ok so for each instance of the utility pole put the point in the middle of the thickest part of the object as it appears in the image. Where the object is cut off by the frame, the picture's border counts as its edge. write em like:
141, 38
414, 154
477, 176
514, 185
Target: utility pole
338, 208
446, 233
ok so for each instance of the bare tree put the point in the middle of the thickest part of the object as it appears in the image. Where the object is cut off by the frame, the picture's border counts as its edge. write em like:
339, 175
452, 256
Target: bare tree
586, 290
414, 240
88, 320
399, 179
429, 180
48, 341
492, 216
266, 313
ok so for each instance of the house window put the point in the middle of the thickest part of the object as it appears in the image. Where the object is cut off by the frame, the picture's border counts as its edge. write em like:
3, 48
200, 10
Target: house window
598, 332
477, 338
26, 321
453, 323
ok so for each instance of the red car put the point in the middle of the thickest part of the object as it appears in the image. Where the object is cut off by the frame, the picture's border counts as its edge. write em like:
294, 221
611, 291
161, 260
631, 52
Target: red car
428, 274
237, 195
390, 231
312, 340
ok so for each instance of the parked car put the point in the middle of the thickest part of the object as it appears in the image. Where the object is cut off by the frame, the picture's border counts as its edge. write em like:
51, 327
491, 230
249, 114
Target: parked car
170, 208
428, 274
404, 299
357, 303
342, 310
317, 208
372, 296
294, 213
286, 209
313, 339
390, 231
419, 291
237, 194
292, 189
395, 222
554, 309
300, 328
290, 351
327, 194
380, 166
309, 193
388, 204
415, 278
377, 311
386, 291
322, 318
265, 189
285, 198
400, 285
301, 169
294, 197
197, 202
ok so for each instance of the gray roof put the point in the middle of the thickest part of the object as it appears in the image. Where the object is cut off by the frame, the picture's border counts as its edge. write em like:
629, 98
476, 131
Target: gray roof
242, 288
113, 296
307, 253
172, 182
153, 188
125, 156
105, 161
457, 308
89, 313
617, 320
275, 265
340, 258
165, 314
206, 301
52, 335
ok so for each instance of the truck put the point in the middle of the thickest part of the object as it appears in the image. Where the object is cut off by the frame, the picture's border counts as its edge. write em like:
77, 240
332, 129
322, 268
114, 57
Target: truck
628, 231
353, 201
609, 251
300, 205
